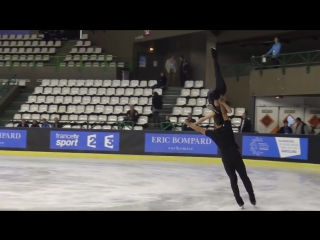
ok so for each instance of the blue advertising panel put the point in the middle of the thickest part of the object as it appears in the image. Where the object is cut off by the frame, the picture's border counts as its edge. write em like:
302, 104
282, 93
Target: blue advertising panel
179, 143
275, 147
13, 138
85, 141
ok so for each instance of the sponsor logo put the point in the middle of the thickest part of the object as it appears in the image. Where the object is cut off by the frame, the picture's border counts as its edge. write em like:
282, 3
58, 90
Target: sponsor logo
179, 143
275, 147
13, 138
89, 141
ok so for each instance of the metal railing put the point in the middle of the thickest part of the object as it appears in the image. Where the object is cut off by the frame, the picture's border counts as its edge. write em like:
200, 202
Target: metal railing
85, 125
7, 81
33, 61
283, 61
165, 126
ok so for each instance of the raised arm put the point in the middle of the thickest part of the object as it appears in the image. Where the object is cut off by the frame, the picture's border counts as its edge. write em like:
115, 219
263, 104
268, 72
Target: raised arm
223, 110
211, 115
223, 102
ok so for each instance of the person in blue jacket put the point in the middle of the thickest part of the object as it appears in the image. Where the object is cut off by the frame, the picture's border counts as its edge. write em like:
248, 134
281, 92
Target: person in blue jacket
274, 51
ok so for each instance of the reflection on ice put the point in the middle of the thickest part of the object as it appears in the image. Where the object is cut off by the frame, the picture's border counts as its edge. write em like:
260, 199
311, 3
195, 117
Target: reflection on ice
72, 184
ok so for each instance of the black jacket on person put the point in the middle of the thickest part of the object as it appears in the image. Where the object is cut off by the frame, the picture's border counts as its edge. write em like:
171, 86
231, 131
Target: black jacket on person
162, 82
282, 130
247, 126
57, 125
184, 68
185, 126
20, 125
157, 102
132, 115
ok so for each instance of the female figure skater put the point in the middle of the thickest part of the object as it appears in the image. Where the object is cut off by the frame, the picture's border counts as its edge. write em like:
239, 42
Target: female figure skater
216, 94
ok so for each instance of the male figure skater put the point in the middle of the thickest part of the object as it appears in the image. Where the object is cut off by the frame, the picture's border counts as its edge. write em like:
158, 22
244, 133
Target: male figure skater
232, 160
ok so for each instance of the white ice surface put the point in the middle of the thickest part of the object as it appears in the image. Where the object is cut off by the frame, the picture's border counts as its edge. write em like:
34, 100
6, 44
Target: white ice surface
73, 184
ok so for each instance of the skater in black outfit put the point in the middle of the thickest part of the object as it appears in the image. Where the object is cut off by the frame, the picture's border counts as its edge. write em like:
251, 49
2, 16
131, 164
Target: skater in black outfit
221, 87
232, 160
214, 95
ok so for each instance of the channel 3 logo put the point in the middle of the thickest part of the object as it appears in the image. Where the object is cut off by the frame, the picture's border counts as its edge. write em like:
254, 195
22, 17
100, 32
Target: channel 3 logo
108, 141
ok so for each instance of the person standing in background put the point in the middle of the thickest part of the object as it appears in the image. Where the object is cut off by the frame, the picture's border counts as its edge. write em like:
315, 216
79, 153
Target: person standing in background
274, 51
245, 125
184, 70
156, 108
161, 83
285, 129
171, 68
301, 127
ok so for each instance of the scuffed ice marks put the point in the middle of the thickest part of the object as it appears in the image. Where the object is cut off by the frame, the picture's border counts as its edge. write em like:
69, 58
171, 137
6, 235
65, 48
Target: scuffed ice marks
73, 184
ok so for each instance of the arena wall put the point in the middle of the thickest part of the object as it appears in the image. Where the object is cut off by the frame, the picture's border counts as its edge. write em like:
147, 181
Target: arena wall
281, 148
295, 81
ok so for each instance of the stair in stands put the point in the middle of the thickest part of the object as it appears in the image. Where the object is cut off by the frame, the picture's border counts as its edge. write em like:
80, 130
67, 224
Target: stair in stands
169, 99
15, 105
62, 52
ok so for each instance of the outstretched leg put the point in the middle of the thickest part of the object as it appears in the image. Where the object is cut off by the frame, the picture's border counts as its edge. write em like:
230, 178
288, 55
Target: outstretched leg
221, 88
241, 170
231, 171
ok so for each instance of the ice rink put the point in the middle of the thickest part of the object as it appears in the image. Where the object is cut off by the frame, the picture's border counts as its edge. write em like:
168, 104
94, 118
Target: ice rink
39, 183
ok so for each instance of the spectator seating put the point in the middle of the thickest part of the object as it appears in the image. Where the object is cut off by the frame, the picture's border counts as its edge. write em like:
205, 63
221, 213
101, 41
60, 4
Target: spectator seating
86, 50
193, 99
83, 54
88, 103
19, 82
84, 36
25, 50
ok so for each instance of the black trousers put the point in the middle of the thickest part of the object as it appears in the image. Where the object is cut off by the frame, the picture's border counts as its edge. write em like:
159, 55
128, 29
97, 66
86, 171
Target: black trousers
183, 78
156, 117
221, 87
220, 83
232, 166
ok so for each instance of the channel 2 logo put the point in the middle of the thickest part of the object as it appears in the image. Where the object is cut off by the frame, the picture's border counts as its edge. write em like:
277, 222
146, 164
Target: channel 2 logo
84, 141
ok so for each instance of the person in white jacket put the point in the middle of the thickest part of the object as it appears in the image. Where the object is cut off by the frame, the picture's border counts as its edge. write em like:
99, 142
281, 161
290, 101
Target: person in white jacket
171, 68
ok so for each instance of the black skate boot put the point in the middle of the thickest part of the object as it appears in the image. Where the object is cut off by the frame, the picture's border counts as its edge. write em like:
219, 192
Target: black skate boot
240, 201
252, 199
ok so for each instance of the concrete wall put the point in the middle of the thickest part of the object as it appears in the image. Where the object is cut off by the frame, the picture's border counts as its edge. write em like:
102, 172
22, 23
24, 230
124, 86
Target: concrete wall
120, 42
239, 35
8, 97
238, 91
235, 54
294, 82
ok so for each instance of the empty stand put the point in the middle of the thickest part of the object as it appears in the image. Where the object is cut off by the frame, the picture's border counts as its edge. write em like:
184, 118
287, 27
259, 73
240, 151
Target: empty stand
88, 103
26, 50
193, 99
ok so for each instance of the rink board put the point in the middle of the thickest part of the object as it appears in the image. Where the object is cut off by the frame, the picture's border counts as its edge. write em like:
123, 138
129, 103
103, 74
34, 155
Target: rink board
154, 145
181, 159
